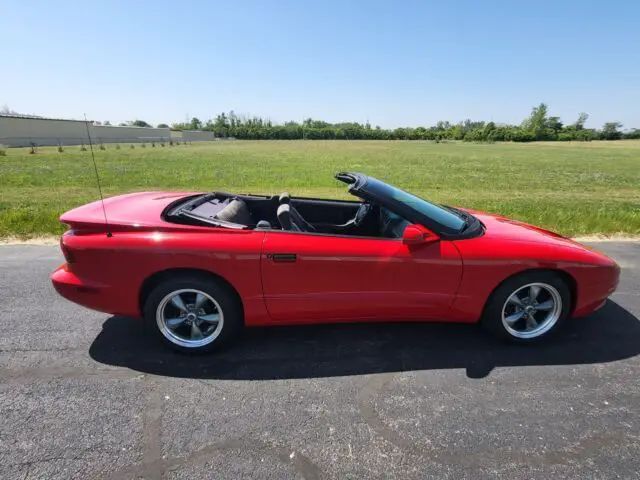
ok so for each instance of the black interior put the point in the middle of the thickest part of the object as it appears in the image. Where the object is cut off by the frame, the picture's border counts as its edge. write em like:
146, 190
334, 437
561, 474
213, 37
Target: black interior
263, 208
338, 217
246, 210
325, 211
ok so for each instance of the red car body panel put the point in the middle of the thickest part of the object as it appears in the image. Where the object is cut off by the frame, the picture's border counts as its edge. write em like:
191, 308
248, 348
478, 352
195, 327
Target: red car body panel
509, 247
115, 269
334, 278
133, 211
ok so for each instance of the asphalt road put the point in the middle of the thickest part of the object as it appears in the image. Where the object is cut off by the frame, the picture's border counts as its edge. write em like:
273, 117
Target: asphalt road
84, 395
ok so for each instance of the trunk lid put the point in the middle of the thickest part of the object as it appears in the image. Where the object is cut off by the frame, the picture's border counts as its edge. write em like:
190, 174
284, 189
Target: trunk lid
139, 210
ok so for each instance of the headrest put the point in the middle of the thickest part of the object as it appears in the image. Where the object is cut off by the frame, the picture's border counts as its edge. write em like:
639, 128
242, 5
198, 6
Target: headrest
236, 211
284, 216
263, 224
284, 197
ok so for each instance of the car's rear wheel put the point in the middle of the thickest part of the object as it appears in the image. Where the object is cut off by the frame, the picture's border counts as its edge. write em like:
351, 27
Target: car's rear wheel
193, 315
529, 307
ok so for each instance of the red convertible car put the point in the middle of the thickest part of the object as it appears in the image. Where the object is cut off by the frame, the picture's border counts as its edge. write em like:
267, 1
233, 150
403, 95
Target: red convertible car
198, 267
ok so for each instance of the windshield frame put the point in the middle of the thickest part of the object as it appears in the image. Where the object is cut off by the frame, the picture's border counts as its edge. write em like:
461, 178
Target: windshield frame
371, 189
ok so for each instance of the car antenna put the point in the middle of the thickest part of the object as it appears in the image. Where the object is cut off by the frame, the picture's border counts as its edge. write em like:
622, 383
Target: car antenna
95, 167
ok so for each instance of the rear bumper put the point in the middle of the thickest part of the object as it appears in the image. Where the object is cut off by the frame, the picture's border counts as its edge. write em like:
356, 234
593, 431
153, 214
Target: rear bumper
94, 296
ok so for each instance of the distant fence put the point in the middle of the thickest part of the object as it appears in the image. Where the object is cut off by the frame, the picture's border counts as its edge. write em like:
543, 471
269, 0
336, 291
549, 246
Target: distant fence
78, 141
70, 141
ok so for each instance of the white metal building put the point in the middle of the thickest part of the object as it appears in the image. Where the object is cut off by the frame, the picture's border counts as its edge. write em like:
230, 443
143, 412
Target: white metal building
23, 131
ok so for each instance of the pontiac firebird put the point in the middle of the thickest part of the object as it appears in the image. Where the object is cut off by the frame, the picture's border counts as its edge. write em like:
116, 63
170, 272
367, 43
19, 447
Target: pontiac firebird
199, 267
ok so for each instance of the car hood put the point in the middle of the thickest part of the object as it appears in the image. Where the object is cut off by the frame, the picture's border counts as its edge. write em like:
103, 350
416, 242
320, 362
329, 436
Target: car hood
140, 210
502, 228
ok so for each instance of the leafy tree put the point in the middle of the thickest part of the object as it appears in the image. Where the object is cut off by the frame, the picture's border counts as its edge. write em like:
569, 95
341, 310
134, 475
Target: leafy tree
536, 122
140, 123
233, 120
163, 125
582, 119
8, 111
611, 131
221, 125
195, 124
554, 124
537, 126
634, 133
488, 128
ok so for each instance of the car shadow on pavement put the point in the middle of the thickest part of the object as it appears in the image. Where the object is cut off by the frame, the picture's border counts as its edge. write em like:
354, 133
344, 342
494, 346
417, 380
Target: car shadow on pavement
610, 334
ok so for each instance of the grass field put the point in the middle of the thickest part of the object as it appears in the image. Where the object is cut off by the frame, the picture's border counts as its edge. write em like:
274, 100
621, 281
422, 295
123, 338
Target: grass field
573, 188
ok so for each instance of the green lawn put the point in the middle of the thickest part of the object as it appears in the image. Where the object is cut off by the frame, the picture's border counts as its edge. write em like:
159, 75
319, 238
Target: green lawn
573, 188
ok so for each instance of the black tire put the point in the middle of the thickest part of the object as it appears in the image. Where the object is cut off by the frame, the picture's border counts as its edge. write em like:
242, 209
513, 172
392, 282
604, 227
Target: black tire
492, 317
227, 301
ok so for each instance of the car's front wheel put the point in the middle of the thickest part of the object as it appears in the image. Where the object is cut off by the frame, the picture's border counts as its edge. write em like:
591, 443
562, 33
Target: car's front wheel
529, 307
193, 314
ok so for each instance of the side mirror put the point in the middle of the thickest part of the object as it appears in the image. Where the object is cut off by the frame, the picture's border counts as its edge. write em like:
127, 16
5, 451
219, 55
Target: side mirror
418, 235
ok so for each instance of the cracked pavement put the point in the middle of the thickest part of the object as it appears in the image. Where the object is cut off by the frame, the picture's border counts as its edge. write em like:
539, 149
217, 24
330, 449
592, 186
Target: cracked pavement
86, 395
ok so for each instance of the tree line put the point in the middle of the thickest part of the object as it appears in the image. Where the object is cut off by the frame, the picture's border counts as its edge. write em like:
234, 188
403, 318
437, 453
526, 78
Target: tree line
539, 125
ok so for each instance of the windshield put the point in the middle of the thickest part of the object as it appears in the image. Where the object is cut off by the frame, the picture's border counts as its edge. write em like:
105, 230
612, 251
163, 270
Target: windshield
439, 214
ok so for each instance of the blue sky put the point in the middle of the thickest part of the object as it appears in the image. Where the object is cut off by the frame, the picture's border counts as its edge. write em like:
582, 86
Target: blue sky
394, 63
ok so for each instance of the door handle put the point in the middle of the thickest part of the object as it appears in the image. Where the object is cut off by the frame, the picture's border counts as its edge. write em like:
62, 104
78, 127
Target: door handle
282, 257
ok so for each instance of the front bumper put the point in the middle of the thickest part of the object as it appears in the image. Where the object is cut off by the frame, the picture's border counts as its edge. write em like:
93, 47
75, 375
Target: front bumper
593, 295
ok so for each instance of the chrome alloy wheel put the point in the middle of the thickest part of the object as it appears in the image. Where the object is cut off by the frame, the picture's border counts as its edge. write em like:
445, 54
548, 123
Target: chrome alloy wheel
189, 318
531, 310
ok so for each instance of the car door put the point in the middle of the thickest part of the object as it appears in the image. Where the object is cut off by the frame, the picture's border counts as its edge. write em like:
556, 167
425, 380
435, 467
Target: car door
314, 277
